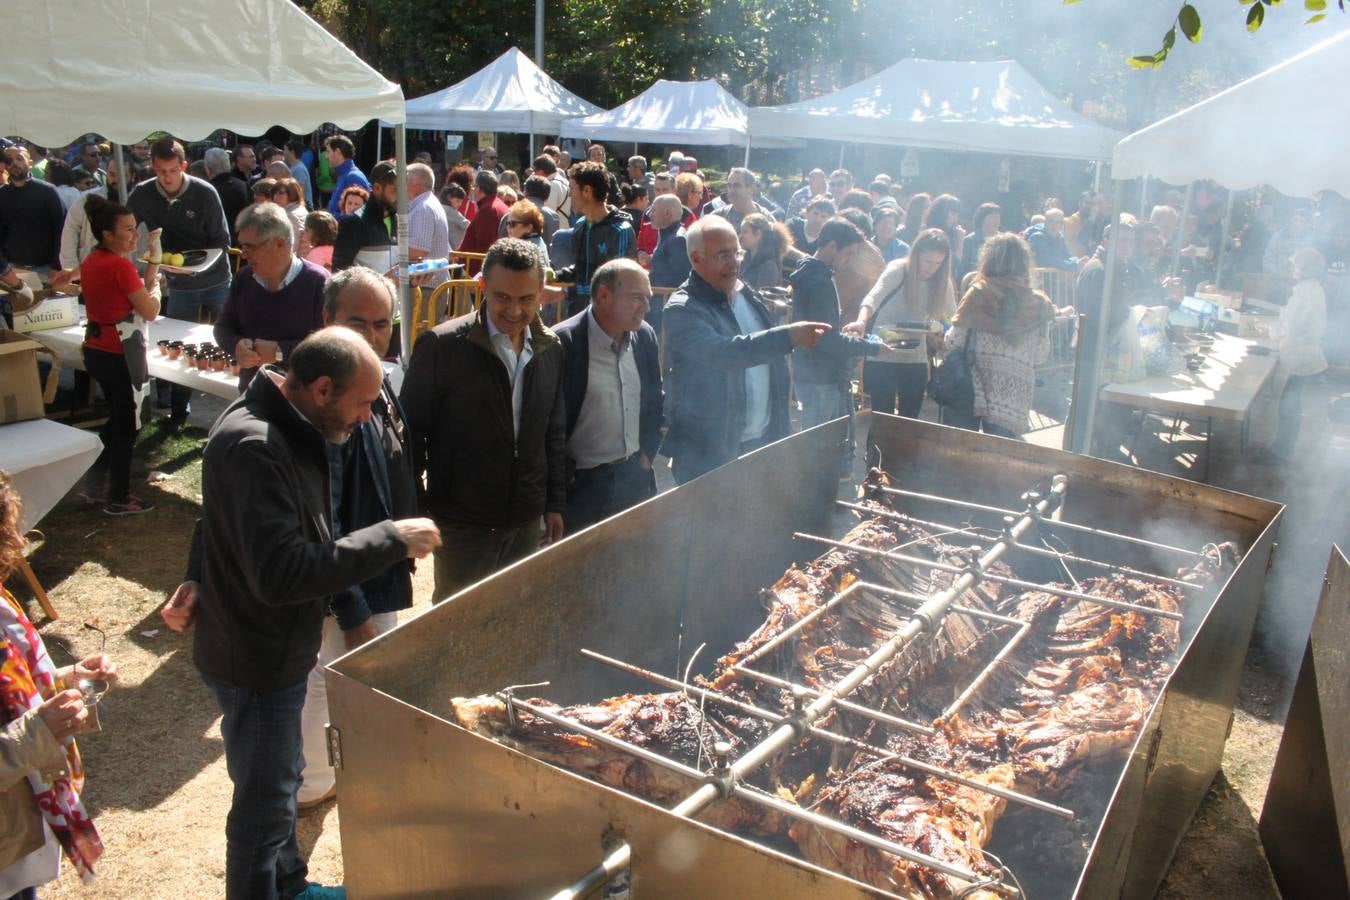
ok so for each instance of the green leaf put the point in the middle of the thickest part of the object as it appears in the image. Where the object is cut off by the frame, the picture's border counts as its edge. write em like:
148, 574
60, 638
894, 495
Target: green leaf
1314, 19
1070, 2
1169, 39
1246, 2
1314, 5
1189, 20
1143, 62
1255, 17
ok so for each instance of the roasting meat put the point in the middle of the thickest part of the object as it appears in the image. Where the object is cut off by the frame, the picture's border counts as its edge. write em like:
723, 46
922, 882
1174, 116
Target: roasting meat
1068, 684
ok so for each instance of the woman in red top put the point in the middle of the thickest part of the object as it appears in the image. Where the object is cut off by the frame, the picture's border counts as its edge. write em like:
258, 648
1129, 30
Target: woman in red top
114, 292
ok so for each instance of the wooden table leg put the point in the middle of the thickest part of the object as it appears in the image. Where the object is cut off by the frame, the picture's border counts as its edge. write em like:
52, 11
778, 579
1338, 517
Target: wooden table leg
36, 585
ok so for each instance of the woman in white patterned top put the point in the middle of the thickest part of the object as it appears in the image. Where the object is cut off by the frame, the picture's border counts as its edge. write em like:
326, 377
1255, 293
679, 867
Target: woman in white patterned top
1005, 323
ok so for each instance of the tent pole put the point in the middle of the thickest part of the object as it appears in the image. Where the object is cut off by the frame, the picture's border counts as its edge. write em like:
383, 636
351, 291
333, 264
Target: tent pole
1096, 176
1143, 195
404, 291
1085, 385
1181, 230
747, 151
841, 157
1223, 243
121, 174
379, 137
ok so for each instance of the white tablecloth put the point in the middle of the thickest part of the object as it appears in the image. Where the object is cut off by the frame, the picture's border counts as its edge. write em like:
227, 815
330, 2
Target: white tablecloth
66, 342
45, 459
1232, 376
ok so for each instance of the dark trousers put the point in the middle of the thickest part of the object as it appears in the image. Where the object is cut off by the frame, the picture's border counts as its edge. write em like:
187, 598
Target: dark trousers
119, 432
262, 736
25, 894
1291, 415
896, 387
595, 494
470, 553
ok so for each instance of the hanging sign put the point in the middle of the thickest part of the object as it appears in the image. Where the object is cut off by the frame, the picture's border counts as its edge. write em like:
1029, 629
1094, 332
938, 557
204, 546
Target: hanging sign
909, 165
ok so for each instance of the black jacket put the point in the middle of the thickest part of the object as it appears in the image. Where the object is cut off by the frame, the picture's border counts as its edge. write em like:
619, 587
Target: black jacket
814, 299
234, 196
574, 333
264, 551
706, 359
377, 484
364, 230
458, 400
594, 244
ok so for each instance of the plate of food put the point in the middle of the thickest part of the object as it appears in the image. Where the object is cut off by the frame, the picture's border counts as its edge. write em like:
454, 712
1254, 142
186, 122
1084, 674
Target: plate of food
189, 262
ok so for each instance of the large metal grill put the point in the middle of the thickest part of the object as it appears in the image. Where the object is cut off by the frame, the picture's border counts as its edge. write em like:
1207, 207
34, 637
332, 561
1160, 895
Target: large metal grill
430, 808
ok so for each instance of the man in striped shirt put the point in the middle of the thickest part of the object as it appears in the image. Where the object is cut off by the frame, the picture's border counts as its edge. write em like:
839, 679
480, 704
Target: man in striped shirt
428, 230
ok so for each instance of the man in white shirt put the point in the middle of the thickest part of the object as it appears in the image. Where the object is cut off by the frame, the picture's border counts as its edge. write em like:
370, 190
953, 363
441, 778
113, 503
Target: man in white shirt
612, 388
484, 405
428, 230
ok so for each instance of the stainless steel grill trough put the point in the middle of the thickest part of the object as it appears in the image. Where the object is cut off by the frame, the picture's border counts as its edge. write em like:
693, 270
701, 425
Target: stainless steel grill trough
432, 809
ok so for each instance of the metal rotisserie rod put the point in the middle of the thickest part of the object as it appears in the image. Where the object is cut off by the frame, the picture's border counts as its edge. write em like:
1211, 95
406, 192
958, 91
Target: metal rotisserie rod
831, 736
1057, 523
802, 623
1038, 551
1002, 579
847, 705
723, 782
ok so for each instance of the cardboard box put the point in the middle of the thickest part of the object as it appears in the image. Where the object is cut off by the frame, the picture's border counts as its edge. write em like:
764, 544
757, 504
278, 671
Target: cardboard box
20, 390
54, 311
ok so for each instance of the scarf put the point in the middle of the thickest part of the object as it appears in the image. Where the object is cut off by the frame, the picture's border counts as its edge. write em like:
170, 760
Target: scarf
27, 677
1005, 305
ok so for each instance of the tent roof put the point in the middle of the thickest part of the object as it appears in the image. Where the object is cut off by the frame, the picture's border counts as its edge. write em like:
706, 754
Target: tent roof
993, 107
509, 94
127, 68
700, 113
1278, 128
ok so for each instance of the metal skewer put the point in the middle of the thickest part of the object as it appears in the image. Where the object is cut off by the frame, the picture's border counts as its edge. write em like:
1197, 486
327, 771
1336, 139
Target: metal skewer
1058, 523
848, 705
1029, 548
1002, 579
832, 736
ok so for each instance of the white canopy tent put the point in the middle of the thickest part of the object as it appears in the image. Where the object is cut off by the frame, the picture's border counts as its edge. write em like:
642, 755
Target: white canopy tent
1278, 128
509, 94
129, 70
697, 113
1275, 128
992, 107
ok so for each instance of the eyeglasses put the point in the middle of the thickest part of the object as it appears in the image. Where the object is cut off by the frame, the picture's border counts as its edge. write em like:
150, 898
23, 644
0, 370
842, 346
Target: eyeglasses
247, 247
728, 255
512, 223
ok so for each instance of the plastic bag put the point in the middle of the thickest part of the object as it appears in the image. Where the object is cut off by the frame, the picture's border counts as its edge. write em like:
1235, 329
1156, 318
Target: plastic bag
1160, 354
1124, 356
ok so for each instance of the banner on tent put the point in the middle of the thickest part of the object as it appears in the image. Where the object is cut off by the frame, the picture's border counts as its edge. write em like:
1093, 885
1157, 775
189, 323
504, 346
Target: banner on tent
487, 139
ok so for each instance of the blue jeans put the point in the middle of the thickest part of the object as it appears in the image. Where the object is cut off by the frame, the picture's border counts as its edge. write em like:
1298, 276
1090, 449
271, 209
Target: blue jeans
263, 754
820, 403
182, 304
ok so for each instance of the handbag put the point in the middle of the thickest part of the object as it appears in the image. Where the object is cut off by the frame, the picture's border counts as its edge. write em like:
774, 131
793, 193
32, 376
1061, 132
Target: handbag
951, 383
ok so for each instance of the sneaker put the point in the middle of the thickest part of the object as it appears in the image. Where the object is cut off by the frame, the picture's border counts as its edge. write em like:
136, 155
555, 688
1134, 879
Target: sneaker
321, 892
133, 506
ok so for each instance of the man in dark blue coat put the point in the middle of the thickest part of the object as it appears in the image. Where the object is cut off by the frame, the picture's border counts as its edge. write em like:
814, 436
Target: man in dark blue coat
612, 389
727, 383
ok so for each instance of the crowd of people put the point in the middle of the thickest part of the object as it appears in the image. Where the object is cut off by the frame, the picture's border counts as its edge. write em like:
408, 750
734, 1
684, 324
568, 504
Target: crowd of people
322, 483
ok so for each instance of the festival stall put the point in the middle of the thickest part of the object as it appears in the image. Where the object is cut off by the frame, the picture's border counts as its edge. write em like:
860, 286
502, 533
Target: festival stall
991, 107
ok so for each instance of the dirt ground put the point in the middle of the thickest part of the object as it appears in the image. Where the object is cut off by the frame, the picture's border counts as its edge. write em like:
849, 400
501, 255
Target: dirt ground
158, 787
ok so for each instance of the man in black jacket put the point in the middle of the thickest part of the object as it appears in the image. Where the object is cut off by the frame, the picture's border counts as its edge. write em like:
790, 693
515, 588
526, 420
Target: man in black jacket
485, 409
726, 361
612, 389
821, 373
372, 481
264, 564
366, 238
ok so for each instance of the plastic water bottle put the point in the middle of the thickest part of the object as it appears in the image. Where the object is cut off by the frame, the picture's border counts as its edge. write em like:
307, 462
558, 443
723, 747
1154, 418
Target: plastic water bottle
428, 265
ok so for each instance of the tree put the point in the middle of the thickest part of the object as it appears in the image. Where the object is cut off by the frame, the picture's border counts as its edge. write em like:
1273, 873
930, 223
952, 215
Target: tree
1189, 23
